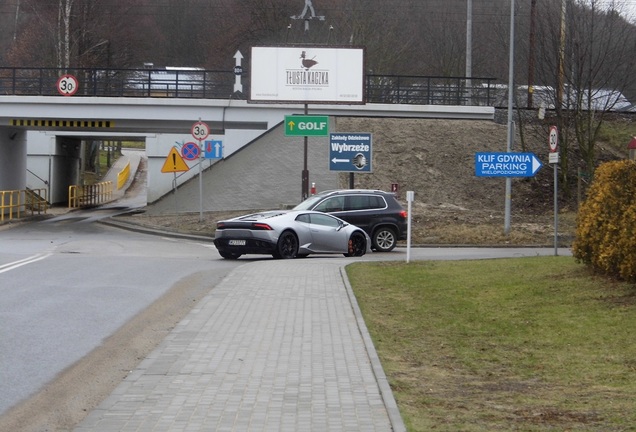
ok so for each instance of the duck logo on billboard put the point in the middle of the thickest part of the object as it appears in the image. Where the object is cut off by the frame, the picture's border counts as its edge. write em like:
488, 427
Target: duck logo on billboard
305, 77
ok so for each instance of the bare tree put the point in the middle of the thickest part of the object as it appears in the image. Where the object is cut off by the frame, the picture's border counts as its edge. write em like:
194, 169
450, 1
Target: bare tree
599, 48
64, 33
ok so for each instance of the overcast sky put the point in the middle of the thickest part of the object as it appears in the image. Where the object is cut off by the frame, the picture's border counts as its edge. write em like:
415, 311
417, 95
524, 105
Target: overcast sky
627, 7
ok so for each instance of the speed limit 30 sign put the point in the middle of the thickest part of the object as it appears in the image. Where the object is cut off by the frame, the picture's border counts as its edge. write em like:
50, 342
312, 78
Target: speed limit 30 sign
67, 85
200, 131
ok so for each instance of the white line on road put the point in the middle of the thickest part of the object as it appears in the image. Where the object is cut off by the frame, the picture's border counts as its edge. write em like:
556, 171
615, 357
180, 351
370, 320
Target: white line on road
14, 265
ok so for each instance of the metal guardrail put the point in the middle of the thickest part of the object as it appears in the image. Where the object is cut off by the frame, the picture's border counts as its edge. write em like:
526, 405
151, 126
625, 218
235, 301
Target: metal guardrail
210, 84
90, 195
123, 176
430, 90
16, 203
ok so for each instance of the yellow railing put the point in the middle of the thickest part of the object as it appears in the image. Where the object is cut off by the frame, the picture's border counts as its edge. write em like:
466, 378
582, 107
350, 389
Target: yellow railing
90, 195
122, 176
16, 203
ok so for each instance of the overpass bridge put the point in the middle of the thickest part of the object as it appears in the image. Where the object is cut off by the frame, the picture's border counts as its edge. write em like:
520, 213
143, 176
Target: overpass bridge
41, 133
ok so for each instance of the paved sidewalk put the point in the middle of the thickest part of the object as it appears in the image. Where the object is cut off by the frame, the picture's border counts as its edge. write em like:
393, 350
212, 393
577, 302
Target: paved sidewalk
277, 346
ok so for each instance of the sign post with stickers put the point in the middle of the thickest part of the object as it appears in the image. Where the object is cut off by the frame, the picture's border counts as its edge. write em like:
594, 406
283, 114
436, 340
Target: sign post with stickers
200, 131
553, 142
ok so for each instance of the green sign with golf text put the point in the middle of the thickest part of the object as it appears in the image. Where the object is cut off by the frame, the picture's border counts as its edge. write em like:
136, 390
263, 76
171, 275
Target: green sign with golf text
302, 125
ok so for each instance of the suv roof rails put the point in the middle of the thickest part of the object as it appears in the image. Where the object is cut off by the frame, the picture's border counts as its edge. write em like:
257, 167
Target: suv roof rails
353, 191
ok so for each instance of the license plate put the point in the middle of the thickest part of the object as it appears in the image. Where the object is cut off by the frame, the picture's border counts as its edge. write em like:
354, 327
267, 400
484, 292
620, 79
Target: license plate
236, 242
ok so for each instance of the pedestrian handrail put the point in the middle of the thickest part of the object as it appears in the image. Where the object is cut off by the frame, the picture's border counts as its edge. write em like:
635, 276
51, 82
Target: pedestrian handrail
15, 204
90, 195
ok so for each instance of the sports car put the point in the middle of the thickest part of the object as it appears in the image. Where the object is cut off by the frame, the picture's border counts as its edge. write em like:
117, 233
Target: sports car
289, 234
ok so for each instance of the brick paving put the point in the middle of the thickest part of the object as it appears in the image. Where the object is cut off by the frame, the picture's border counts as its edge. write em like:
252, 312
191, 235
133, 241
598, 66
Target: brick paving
277, 346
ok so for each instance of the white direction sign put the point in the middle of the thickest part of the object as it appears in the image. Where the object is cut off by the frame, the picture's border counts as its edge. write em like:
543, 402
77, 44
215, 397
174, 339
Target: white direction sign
238, 71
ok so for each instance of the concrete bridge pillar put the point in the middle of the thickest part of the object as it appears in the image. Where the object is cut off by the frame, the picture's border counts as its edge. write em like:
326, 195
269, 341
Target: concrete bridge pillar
13, 163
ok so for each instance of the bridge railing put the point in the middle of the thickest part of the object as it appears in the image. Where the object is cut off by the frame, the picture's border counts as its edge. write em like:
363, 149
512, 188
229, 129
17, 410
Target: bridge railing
429, 90
209, 84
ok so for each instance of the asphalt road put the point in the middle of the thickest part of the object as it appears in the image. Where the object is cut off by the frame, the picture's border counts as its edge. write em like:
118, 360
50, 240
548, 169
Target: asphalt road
67, 284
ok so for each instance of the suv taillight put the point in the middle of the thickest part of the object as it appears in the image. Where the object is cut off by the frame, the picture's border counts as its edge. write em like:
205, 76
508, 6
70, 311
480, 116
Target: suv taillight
404, 214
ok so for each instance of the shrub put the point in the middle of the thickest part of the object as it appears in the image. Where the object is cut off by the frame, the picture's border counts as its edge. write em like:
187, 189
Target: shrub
606, 225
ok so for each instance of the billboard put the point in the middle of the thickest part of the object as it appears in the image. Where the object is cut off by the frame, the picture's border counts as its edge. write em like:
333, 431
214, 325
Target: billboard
307, 74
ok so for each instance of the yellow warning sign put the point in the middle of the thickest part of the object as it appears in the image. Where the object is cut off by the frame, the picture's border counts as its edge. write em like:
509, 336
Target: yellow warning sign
174, 163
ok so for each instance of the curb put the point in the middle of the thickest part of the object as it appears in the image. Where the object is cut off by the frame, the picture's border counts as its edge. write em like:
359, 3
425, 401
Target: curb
397, 424
154, 231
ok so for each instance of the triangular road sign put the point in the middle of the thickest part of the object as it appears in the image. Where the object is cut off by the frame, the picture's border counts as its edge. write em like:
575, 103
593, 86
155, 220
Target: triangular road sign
174, 163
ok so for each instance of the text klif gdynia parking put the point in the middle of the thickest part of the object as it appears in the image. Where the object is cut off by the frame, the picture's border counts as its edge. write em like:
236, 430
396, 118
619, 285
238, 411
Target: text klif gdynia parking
508, 163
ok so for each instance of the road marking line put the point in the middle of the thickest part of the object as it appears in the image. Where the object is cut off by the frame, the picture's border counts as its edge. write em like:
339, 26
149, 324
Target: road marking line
14, 265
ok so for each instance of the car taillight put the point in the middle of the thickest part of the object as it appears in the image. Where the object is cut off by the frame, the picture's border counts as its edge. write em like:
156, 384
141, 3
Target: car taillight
261, 226
404, 214
220, 225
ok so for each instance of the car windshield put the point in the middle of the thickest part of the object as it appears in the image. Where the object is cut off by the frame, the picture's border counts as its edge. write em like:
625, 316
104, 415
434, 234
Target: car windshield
308, 203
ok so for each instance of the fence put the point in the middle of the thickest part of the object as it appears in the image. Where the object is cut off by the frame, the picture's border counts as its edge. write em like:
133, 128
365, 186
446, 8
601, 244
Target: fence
16, 203
90, 195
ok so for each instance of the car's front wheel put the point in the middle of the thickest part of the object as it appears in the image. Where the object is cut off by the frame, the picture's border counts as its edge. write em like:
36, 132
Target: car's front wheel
384, 239
287, 246
357, 245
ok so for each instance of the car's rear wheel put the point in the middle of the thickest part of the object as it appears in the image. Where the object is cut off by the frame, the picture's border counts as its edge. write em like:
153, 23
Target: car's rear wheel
384, 239
357, 245
287, 246
230, 255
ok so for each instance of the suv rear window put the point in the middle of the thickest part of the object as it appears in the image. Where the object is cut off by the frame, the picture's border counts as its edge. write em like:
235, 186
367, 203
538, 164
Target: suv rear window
365, 202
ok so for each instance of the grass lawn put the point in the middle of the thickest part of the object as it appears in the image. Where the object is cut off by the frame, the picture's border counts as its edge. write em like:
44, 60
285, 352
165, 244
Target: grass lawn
523, 344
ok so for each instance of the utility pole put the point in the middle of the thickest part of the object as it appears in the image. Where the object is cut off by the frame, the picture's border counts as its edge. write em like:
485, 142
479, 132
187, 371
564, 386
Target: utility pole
561, 72
511, 125
533, 18
469, 48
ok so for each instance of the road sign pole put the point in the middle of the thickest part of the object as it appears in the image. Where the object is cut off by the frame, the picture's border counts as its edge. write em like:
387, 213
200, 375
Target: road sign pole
410, 196
200, 184
556, 211
200, 131
305, 174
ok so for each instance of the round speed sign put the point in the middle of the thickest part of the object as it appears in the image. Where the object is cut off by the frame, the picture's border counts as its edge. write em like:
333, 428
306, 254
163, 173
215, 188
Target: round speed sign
67, 85
200, 131
553, 139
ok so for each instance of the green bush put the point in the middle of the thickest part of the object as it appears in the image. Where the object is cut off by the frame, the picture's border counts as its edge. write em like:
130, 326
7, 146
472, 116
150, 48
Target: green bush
606, 224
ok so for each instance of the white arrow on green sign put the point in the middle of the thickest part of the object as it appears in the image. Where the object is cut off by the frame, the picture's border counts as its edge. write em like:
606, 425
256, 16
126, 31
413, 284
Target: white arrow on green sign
302, 125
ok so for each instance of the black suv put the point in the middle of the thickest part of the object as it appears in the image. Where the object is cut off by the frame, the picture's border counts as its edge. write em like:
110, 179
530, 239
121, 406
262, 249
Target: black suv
376, 212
